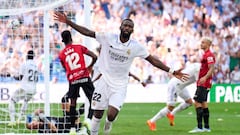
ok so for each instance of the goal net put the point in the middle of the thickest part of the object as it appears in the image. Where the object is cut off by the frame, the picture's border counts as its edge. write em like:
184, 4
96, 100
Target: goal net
29, 25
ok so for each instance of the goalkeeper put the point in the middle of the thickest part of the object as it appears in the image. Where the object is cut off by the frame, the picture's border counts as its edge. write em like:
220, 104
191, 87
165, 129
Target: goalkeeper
44, 124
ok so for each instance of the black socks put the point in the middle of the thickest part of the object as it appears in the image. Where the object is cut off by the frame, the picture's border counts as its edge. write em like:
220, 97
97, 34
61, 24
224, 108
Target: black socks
202, 114
206, 117
199, 112
72, 115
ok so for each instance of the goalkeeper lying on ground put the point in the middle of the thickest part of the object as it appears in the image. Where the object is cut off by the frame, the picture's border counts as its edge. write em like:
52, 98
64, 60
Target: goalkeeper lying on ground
45, 124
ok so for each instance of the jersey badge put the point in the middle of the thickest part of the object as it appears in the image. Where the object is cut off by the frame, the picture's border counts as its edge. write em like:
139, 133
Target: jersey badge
128, 52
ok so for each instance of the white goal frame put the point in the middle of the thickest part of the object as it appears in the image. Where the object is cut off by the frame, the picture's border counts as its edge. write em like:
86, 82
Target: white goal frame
4, 11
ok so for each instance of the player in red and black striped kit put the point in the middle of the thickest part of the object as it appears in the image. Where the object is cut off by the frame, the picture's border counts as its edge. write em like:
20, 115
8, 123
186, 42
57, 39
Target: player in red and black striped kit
72, 59
204, 84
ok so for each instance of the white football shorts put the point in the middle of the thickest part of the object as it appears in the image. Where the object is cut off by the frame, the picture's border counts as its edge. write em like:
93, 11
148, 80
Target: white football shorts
174, 92
21, 94
184, 94
171, 95
105, 95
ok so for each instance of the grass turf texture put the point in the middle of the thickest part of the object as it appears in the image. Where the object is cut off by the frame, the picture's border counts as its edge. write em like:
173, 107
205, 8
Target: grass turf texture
224, 120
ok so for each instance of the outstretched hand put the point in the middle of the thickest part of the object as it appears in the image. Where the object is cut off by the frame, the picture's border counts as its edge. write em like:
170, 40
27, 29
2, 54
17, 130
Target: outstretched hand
60, 17
181, 76
144, 84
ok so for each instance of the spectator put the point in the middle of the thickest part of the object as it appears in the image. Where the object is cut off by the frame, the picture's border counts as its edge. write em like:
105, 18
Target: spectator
235, 75
104, 5
186, 22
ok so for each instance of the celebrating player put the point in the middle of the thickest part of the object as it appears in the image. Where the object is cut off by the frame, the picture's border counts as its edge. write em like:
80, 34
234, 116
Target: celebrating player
116, 56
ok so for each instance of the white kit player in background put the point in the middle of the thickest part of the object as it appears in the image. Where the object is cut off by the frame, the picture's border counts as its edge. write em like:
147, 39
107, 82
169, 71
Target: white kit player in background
177, 88
28, 75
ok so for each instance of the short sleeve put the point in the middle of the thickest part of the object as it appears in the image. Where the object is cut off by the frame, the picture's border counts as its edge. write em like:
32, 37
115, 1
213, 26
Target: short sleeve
210, 59
142, 51
101, 36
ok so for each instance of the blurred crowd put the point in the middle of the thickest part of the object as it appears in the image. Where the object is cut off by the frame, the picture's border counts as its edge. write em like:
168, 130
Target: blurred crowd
171, 30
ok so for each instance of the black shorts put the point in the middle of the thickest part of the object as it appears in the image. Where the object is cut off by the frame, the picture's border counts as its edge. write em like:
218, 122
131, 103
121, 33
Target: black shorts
84, 83
201, 94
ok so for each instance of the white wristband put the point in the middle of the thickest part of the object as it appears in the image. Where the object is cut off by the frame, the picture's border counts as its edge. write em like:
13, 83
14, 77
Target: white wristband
171, 70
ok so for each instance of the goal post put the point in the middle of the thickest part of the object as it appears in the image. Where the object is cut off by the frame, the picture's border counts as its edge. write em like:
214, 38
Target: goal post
16, 7
26, 24
46, 61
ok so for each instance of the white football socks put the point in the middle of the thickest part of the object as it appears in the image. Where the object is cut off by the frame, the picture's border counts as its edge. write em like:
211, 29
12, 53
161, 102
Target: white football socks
12, 110
180, 107
107, 127
162, 113
23, 110
95, 125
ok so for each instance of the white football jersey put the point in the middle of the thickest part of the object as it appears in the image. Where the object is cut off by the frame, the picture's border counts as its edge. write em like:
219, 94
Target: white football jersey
192, 69
30, 76
116, 57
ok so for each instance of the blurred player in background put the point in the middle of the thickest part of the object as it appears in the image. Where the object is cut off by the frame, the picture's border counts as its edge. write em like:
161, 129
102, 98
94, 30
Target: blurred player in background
204, 84
72, 59
177, 88
116, 56
28, 75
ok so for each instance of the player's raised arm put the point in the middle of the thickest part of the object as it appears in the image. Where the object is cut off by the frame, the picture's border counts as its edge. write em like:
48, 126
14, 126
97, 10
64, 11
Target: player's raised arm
83, 30
177, 73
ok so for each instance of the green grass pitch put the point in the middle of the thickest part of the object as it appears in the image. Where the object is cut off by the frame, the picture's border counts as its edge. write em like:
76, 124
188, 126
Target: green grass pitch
224, 120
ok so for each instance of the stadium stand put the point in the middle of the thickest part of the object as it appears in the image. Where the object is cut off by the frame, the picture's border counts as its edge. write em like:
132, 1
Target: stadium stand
171, 29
